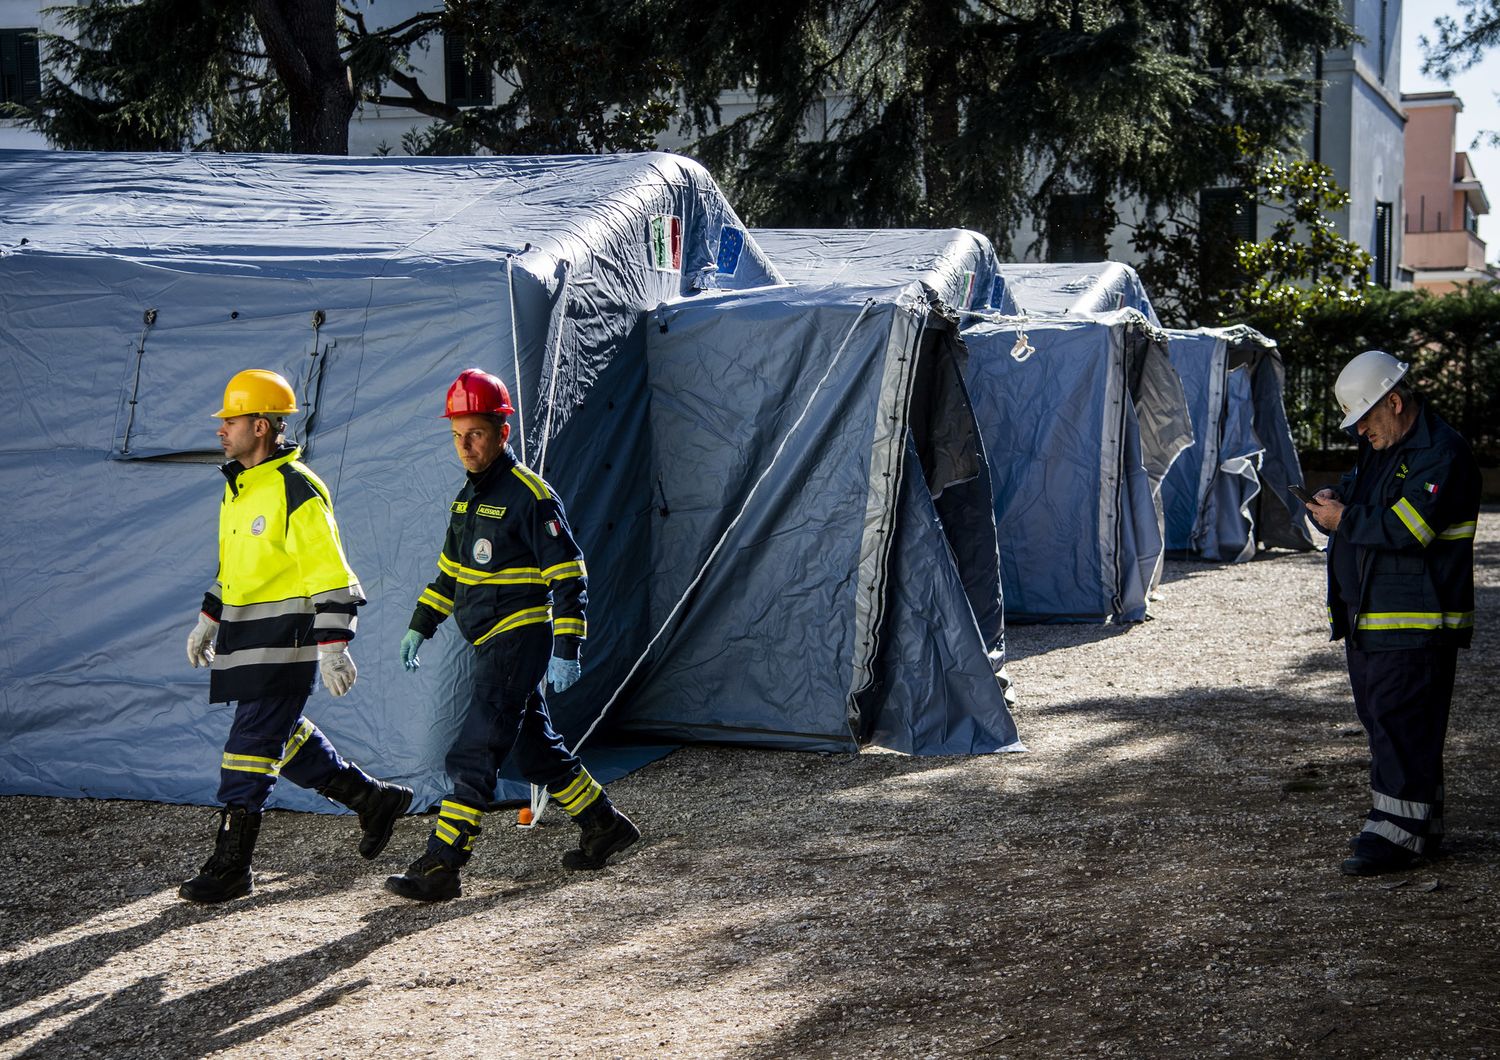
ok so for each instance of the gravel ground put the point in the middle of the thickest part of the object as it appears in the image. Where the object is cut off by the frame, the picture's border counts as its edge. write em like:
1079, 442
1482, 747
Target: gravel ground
1158, 876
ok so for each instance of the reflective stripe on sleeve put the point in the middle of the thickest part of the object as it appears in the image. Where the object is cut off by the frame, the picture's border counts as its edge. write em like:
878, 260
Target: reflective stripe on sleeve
574, 627
1414, 522
437, 601
1458, 532
561, 571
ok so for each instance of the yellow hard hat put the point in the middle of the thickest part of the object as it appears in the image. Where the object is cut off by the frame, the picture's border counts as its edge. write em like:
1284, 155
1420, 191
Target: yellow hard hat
257, 391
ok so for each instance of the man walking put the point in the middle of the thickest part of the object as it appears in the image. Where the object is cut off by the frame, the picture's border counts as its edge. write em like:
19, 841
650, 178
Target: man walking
1401, 595
513, 578
283, 606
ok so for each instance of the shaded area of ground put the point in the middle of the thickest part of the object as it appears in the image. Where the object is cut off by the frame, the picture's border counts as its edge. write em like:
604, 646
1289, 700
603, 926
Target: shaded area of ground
1157, 876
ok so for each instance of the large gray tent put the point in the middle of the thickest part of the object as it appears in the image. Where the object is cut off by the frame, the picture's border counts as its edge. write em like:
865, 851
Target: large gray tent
1230, 490
133, 286
1082, 417
826, 509
958, 264
1053, 289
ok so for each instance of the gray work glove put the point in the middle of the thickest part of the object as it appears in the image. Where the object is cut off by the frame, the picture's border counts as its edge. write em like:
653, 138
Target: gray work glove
200, 642
336, 667
562, 673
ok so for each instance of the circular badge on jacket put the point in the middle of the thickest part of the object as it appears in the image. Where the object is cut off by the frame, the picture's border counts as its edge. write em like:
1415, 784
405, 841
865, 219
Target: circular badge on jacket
483, 550
259, 526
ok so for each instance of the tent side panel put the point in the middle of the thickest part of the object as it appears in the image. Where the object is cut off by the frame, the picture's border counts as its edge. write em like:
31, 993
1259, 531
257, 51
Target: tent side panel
1050, 427
938, 691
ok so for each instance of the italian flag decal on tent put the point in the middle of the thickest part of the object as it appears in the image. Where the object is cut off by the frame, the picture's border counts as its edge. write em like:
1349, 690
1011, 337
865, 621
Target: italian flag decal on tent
666, 243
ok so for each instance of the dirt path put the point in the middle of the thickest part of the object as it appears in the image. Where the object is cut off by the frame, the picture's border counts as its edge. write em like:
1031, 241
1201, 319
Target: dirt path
1157, 877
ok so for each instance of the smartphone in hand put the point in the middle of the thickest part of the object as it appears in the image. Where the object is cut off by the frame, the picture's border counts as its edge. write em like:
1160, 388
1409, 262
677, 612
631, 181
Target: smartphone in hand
1300, 492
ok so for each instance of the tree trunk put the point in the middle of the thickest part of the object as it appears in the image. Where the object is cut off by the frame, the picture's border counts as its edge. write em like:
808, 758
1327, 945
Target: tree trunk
301, 37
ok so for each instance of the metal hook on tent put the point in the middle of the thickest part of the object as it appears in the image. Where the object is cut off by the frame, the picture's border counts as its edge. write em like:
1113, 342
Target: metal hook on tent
148, 320
1021, 352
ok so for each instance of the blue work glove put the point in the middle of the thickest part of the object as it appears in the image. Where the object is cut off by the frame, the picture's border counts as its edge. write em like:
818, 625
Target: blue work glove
561, 673
409, 645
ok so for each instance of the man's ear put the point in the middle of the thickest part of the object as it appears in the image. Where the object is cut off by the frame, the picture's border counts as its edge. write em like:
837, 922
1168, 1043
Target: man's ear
504, 433
1400, 405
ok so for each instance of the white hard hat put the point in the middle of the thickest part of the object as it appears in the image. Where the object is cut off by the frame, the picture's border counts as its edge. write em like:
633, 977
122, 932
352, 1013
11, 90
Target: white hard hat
1364, 381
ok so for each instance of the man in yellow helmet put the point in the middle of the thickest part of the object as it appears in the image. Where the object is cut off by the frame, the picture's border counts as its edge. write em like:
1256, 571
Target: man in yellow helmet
282, 608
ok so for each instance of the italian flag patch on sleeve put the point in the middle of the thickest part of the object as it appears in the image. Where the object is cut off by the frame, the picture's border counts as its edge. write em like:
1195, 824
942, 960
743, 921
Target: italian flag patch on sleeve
1430, 487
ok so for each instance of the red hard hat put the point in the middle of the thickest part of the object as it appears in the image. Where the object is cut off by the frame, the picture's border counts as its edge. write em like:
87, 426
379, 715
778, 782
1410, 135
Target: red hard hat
477, 393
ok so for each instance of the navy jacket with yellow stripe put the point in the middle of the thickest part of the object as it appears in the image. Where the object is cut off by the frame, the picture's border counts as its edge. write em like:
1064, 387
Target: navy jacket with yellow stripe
1411, 521
284, 585
508, 560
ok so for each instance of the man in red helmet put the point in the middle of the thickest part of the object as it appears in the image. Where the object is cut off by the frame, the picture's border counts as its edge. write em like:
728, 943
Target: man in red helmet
513, 578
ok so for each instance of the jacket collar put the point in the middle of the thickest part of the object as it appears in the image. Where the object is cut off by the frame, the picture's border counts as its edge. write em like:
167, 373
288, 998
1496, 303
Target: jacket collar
502, 465
239, 475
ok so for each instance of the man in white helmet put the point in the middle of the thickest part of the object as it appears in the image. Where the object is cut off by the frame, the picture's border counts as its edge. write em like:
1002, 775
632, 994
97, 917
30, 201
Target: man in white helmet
282, 608
1401, 595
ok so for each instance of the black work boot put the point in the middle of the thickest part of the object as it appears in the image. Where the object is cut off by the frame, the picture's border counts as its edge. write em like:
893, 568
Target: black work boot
605, 831
378, 803
226, 874
428, 879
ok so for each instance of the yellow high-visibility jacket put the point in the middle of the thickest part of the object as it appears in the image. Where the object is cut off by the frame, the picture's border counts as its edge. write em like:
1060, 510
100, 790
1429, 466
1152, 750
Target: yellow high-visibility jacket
284, 586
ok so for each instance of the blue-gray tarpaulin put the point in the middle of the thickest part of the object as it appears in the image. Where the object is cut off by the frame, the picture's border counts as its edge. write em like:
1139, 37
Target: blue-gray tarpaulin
133, 286
1082, 418
1052, 289
819, 574
1229, 491
958, 264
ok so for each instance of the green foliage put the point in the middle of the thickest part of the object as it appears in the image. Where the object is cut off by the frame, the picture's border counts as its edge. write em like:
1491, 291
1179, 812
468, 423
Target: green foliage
1459, 46
948, 112
163, 76
1304, 265
1452, 342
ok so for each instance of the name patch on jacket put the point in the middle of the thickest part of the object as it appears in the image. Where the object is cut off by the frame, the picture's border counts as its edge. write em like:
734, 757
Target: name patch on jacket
491, 511
459, 507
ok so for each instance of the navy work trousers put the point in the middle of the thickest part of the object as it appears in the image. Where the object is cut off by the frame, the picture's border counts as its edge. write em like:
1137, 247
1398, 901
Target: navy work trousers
1402, 698
270, 738
506, 715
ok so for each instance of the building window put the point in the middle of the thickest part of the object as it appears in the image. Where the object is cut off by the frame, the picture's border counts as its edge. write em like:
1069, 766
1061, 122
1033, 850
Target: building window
1471, 219
466, 78
1078, 228
1385, 215
1226, 218
20, 66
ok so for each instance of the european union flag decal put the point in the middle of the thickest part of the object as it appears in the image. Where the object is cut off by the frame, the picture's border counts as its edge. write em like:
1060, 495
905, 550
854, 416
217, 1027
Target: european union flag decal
731, 242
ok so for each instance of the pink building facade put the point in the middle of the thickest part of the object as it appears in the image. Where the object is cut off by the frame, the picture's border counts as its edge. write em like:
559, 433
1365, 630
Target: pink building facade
1444, 199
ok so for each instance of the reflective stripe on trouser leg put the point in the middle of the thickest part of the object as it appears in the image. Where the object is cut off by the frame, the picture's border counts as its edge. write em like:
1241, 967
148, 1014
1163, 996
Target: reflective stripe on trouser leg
453, 836
578, 794
309, 760
266, 737
506, 716
1402, 698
